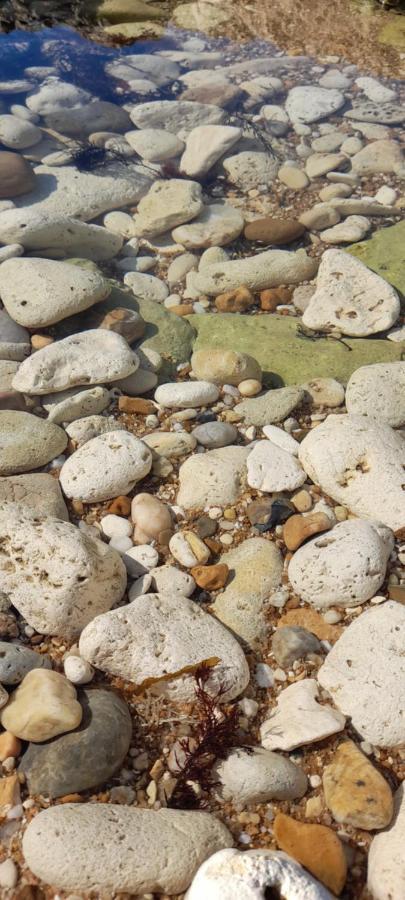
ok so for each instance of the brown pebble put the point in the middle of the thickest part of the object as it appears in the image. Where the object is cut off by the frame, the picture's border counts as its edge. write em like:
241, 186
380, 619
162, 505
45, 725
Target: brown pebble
16, 175
120, 506
314, 622
215, 546
355, 792
9, 745
211, 578
126, 322
316, 847
38, 341
397, 592
274, 231
13, 400
136, 405
8, 625
183, 309
77, 507
9, 793
299, 528
273, 297
71, 798
238, 300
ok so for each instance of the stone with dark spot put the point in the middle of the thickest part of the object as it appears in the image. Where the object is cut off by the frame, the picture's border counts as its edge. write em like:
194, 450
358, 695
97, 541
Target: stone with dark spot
84, 758
16, 661
266, 513
274, 231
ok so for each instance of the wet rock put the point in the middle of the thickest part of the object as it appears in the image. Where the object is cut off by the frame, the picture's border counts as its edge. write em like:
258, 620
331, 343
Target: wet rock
299, 528
214, 478
216, 226
256, 775
105, 467
316, 847
320, 163
321, 216
298, 719
354, 228
16, 175
378, 392
167, 204
86, 757
14, 340
56, 576
43, 706
270, 468
146, 287
291, 642
224, 366
263, 270
274, 231
276, 118
81, 121
27, 442
55, 94
373, 642
205, 145
123, 643
171, 844
383, 113
355, 792
255, 568
379, 156
16, 661
308, 103
273, 406
176, 115
386, 875
17, 134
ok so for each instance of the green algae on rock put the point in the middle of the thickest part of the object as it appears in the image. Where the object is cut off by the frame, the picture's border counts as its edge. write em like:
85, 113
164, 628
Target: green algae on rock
384, 253
284, 356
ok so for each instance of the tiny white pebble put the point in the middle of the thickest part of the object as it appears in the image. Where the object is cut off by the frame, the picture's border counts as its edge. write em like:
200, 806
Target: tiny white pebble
140, 559
78, 670
115, 526
244, 838
315, 781
8, 874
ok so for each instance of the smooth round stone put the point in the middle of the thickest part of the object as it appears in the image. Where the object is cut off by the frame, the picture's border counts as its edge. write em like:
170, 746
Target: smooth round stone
215, 434
308, 103
105, 467
293, 178
378, 392
259, 775
42, 706
293, 642
170, 443
140, 382
27, 442
146, 287
83, 759
16, 175
115, 526
325, 392
155, 144
274, 231
18, 134
152, 519
98, 115
77, 670
55, 94
14, 340
224, 366
171, 579
186, 394
250, 387
16, 660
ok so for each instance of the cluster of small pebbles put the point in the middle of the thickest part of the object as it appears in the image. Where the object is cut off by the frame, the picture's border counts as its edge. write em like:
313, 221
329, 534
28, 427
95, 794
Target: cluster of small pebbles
202, 499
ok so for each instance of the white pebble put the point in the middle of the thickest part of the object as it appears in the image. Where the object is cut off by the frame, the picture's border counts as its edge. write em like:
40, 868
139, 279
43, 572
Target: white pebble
121, 544
249, 707
315, 781
8, 874
140, 559
140, 586
77, 670
115, 526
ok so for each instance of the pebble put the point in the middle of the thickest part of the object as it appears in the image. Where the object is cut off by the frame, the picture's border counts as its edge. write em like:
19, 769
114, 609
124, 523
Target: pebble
126, 644
87, 358
256, 775
250, 169
14, 340
372, 642
276, 119
170, 579
214, 435
16, 661
37, 230
188, 549
171, 844
325, 392
298, 719
258, 272
353, 229
216, 477
255, 872
155, 144
42, 689
291, 642
386, 874
293, 178
316, 847
359, 463
271, 407
270, 468
8, 874
27, 442
222, 366
299, 528
355, 792
10, 746
77, 670
376, 91
256, 569
320, 217
281, 439
182, 395
274, 231
215, 226
205, 145
152, 519
105, 466
378, 392
77, 761
175, 115
75, 403
320, 163
166, 205
140, 560
308, 103
345, 567
146, 287
16, 175
378, 157
17, 134
115, 526
83, 576
211, 578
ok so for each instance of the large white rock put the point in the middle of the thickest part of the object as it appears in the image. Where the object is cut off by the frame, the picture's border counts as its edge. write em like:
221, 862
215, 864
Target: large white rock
37, 230
205, 145
365, 674
40, 292
217, 225
105, 467
54, 95
255, 775
64, 191
350, 297
308, 103
55, 575
263, 270
298, 719
167, 204
344, 567
271, 468
216, 478
360, 463
39, 491
185, 394
378, 391
386, 861
176, 115
158, 640
119, 848
90, 357
82, 430
254, 875
18, 134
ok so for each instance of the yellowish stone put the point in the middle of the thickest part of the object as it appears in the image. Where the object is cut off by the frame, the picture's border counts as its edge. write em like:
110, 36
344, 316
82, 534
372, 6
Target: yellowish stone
43, 706
355, 792
316, 847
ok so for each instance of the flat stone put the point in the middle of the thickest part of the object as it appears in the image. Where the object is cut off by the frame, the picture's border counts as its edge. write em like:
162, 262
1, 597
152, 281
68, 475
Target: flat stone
56, 576
379, 156
256, 872
16, 660
123, 643
293, 178
274, 231
75, 403
17, 134
216, 226
170, 443
155, 144
373, 642
214, 478
38, 491
355, 792
80, 121
176, 115
14, 340
298, 719
291, 642
40, 292
316, 847
320, 163
171, 844
167, 204
378, 392
384, 254
256, 775
386, 873
85, 758
249, 169
321, 216
43, 706
359, 463
146, 287
16, 175
382, 113
82, 430
273, 406
255, 568
350, 298
186, 394
374, 90
270, 468
105, 467
258, 272
36, 230
308, 103
344, 567
27, 442
224, 366
90, 357
204, 147
214, 435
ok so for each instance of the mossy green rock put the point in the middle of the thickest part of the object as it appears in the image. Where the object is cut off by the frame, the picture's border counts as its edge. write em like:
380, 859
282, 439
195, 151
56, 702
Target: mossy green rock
285, 357
384, 253
393, 33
